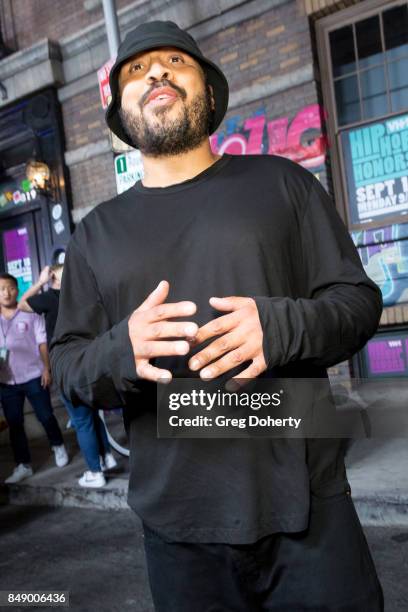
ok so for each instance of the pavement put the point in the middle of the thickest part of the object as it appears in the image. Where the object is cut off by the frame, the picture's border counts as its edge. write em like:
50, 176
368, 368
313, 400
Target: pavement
377, 469
97, 555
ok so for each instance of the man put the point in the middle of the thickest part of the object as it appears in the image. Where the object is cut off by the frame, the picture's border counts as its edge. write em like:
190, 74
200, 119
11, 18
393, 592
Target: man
25, 373
229, 524
47, 302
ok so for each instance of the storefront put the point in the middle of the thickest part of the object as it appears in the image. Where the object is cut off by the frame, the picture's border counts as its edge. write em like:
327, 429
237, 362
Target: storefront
34, 216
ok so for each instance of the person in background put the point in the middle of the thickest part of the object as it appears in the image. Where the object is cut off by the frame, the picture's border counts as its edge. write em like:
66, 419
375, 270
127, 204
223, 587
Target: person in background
25, 373
90, 429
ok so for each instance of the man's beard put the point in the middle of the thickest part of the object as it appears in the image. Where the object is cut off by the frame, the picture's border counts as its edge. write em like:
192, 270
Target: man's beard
170, 136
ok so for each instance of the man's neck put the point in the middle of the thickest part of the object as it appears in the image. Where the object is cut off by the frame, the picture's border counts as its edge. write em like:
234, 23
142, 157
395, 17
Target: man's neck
166, 171
8, 312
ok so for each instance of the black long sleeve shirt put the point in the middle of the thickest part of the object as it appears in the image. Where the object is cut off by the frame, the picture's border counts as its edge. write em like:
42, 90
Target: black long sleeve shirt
258, 226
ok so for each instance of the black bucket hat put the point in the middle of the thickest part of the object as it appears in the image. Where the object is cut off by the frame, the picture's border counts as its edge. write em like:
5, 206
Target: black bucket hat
153, 35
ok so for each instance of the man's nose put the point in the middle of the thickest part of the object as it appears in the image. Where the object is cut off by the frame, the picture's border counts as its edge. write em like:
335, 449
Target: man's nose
158, 72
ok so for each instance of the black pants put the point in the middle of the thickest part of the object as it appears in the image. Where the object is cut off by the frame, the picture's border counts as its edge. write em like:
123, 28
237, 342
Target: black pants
12, 399
327, 568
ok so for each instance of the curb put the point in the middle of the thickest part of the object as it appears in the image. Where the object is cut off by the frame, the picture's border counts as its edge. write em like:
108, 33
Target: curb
380, 511
384, 511
74, 497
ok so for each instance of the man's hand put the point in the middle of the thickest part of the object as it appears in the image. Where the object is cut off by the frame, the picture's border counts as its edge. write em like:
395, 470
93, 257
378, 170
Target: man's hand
150, 330
46, 378
240, 340
44, 277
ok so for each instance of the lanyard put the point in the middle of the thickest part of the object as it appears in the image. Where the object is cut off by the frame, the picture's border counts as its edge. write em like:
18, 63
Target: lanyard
8, 326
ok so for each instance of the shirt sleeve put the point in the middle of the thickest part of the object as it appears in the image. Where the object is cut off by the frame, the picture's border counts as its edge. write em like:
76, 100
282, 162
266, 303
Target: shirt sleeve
38, 303
342, 306
39, 329
91, 360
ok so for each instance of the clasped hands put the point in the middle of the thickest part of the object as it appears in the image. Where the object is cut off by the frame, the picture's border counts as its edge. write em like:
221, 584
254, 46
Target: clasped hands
238, 337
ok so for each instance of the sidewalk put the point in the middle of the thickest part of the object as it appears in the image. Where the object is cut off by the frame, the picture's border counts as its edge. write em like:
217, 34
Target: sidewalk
52, 486
377, 471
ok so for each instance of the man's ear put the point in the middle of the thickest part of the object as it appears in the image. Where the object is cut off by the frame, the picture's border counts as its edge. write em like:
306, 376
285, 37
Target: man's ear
211, 90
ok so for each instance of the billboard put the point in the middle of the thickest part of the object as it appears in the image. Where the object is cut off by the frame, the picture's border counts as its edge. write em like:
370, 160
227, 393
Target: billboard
376, 170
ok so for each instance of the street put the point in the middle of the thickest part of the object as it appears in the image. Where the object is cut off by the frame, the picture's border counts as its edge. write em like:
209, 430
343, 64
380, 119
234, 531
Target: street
98, 557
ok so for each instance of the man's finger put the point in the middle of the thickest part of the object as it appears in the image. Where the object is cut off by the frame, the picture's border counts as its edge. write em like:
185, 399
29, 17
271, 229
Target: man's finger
147, 371
171, 310
157, 296
150, 348
225, 364
230, 303
226, 343
166, 329
216, 327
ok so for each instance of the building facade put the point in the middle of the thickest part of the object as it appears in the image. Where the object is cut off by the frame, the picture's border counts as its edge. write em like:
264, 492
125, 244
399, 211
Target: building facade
323, 82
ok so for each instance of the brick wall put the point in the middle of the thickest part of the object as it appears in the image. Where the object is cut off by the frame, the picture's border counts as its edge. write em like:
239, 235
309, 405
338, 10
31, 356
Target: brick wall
93, 181
84, 119
28, 21
269, 45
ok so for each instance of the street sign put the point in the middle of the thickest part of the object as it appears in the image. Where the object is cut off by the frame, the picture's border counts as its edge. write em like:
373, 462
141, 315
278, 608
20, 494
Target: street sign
128, 170
103, 80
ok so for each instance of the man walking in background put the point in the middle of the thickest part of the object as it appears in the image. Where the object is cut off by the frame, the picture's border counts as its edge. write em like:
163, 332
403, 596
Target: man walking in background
44, 303
229, 524
25, 373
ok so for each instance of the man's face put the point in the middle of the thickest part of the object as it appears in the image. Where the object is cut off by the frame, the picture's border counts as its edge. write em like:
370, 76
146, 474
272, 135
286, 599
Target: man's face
166, 106
8, 293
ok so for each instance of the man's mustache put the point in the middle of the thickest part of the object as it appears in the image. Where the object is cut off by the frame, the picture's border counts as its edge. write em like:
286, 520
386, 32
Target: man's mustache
164, 83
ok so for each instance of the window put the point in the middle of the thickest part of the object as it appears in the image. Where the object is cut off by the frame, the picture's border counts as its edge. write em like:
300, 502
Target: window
369, 62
